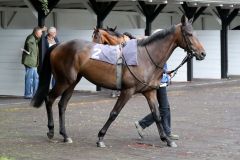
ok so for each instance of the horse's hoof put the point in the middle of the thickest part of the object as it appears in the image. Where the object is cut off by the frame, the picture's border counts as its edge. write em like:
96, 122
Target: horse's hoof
68, 140
101, 144
50, 135
172, 144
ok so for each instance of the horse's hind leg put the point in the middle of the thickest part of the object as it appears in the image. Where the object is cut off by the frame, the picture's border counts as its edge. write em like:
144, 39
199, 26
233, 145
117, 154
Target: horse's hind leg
122, 100
62, 105
54, 93
154, 107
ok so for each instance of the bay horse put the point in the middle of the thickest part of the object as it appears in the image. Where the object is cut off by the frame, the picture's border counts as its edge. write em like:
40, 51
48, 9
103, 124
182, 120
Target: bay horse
70, 61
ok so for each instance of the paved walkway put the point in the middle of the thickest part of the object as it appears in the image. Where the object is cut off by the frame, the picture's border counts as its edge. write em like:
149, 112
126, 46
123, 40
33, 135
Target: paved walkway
205, 114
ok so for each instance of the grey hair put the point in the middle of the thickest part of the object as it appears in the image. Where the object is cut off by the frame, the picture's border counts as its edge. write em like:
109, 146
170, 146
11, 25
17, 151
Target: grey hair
52, 29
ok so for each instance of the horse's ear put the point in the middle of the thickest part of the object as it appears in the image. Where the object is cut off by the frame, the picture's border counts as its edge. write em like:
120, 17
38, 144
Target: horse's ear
184, 20
115, 28
96, 29
190, 21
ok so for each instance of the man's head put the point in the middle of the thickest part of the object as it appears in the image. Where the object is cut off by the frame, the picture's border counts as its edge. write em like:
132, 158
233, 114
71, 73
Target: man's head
52, 31
37, 32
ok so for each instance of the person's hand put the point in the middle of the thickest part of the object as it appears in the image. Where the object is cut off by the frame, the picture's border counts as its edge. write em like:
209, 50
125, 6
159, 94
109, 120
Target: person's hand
170, 74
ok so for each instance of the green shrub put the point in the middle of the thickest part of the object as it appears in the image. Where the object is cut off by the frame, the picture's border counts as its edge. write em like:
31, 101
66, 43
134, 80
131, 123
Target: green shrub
6, 158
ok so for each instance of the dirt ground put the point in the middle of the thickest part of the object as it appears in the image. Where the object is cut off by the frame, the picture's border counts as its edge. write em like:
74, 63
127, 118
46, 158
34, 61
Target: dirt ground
205, 114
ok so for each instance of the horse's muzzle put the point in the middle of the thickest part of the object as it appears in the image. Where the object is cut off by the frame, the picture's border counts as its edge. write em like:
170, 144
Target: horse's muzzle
200, 56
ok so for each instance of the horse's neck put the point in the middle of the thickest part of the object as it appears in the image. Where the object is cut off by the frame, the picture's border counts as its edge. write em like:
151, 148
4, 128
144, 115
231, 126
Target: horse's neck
163, 49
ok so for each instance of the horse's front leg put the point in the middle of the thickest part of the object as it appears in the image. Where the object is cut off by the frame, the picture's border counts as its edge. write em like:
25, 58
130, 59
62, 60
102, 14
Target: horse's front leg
151, 97
125, 95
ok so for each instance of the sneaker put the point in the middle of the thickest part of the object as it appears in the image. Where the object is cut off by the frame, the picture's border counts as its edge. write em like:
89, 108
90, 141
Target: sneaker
27, 97
173, 137
113, 95
139, 129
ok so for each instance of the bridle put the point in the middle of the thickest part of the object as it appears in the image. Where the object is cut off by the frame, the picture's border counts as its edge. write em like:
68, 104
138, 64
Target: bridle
190, 51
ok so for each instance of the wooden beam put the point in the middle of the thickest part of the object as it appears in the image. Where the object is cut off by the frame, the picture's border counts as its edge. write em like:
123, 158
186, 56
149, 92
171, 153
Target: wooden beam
139, 11
30, 6
102, 9
215, 15
3, 19
191, 12
11, 18
150, 11
226, 16
89, 8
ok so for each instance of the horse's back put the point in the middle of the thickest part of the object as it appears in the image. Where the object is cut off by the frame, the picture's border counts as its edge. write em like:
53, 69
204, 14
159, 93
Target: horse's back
67, 57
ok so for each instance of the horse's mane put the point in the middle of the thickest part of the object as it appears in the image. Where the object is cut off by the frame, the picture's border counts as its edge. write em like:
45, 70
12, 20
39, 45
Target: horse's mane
129, 35
156, 36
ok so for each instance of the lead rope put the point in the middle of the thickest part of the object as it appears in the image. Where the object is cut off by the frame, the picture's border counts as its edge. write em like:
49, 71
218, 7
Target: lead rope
174, 71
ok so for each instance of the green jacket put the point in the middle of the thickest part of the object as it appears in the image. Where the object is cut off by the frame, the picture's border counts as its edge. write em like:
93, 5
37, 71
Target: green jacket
31, 45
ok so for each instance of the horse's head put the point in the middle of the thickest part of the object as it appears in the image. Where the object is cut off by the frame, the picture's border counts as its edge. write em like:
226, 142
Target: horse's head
188, 40
97, 36
108, 36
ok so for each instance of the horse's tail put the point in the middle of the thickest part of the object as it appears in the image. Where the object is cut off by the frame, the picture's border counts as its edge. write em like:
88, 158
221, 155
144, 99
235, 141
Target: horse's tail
44, 80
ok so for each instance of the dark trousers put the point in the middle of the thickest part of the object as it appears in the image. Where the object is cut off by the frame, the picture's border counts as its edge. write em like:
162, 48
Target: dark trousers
164, 112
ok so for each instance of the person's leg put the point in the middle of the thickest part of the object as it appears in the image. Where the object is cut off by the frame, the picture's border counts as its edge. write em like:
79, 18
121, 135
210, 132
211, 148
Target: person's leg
164, 109
35, 80
165, 112
53, 82
146, 121
28, 82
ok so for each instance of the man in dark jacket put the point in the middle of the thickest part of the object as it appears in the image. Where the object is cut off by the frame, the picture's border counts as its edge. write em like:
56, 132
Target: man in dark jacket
51, 39
30, 59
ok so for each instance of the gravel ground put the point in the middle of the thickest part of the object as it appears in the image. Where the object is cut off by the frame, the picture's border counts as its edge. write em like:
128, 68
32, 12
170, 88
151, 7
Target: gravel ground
205, 114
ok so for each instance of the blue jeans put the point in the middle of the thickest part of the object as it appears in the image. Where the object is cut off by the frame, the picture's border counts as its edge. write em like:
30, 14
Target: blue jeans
53, 82
31, 81
164, 112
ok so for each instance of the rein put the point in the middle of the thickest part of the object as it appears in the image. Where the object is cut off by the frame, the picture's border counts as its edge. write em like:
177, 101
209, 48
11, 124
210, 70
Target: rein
174, 71
143, 83
156, 65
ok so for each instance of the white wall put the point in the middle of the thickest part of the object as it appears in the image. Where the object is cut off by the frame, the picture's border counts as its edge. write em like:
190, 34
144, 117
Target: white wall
210, 67
173, 62
234, 52
11, 69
